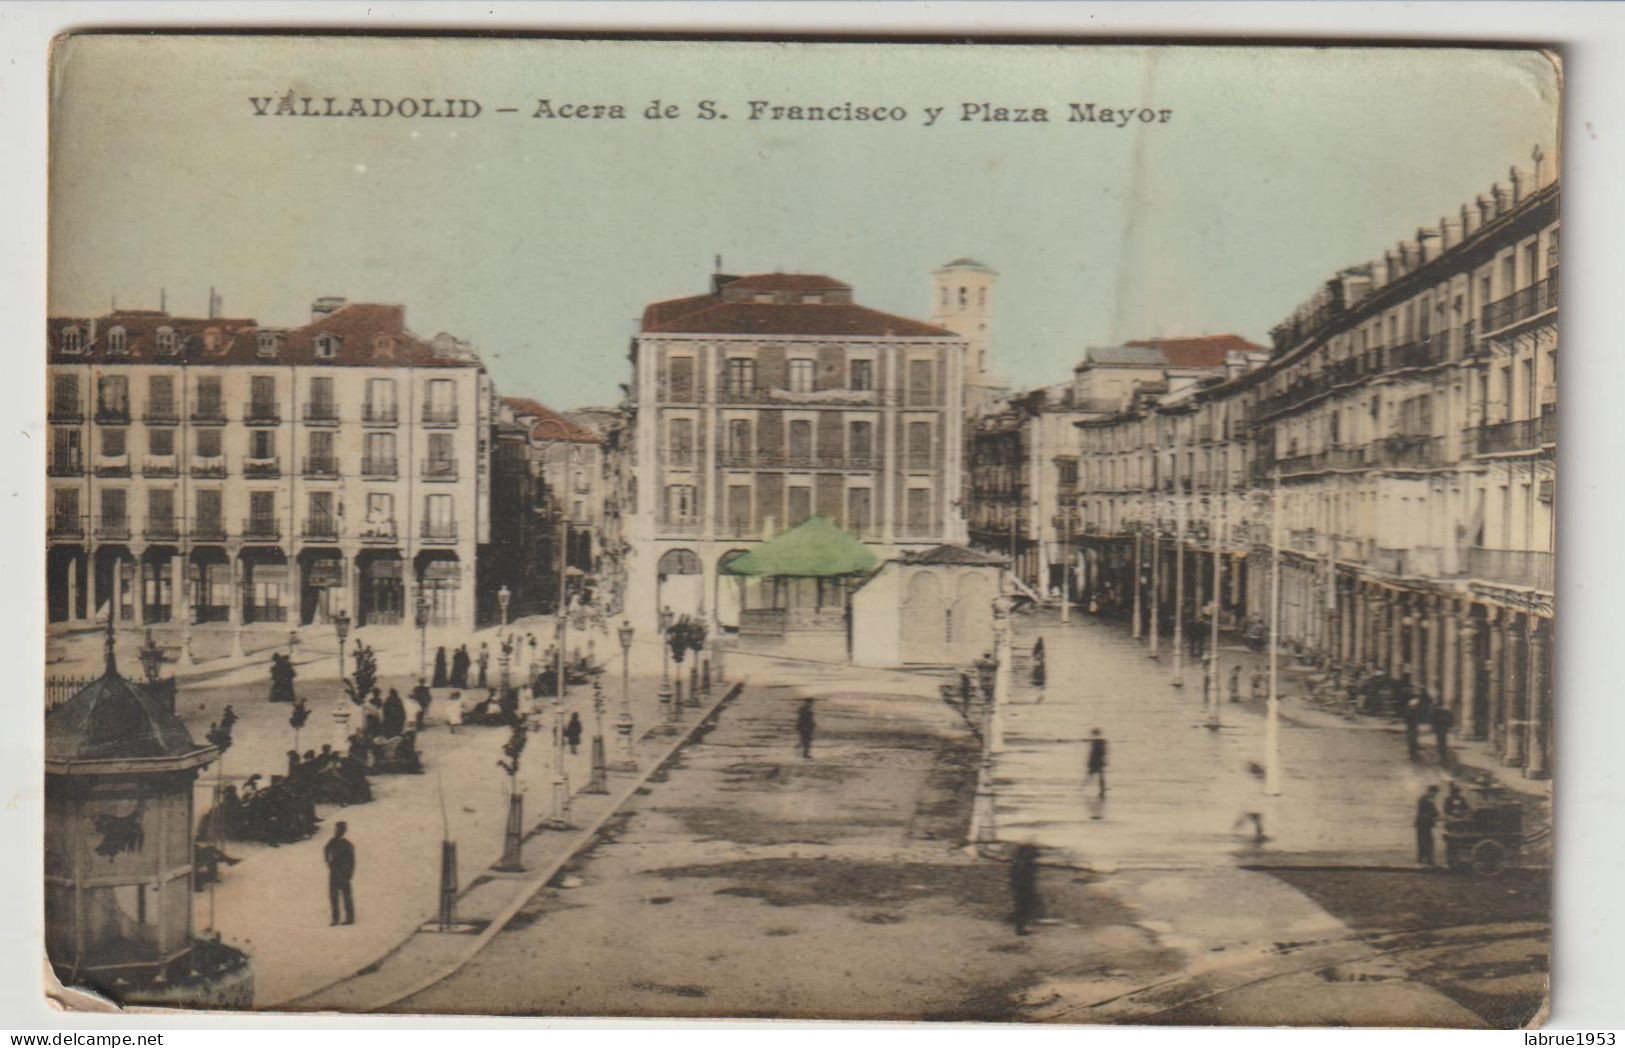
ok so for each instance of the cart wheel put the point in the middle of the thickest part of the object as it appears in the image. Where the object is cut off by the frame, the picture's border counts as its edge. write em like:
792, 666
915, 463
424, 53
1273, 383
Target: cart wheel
1489, 858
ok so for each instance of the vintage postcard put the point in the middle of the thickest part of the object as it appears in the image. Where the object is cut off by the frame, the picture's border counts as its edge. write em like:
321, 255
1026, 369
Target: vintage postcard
562, 527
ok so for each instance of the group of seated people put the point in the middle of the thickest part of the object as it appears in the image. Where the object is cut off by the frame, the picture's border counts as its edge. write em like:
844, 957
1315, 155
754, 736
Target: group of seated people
330, 777
386, 754
279, 813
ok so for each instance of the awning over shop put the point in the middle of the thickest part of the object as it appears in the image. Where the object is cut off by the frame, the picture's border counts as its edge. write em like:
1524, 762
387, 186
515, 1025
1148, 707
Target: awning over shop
815, 549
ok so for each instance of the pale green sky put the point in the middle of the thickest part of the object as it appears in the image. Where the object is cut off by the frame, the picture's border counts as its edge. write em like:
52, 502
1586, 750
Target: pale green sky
541, 240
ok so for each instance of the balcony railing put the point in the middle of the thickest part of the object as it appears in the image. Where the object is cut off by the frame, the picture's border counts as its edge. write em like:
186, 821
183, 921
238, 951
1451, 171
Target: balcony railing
439, 416
380, 414
161, 466
262, 468
439, 469
321, 467
378, 531
321, 528
438, 531
209, 414
1387, 560
320, 414
1525, 434
213, 467
380, 469
209, 530
161, 415
1511, 567
113, 414
67, 526
263, 415
113, 466
1537, 298
113, 528
1417, 451
74, 413
65, 466
262, 528
162, 528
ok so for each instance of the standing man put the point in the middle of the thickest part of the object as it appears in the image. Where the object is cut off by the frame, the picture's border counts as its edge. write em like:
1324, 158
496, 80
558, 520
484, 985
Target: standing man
1413, 728
340, 856
1443, 720
1024, 886
1427, 813
422, 697
1235, 683
1097, 761
485, 660
805, 724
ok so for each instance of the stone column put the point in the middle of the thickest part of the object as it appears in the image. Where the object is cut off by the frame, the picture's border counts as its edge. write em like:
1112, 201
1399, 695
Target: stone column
139, 604
1495, 667
1430, 663
1540, 703
1515, 689
1362, 612
1396, 635
1472, 721
72, 587
1449, 660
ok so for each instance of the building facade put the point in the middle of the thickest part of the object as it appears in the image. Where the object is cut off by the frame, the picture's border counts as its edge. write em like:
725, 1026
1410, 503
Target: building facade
211, 470
772, 399
1406, 427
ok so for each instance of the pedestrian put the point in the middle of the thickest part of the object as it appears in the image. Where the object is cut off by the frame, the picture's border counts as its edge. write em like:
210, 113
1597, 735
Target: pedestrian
485, 660
1024, 887
454, 711
459, 668
1413, 728
421, 696
1235, 683
440, 674
572, 731
1038, 650
340, 857
1426, 815
394, 716
1097, 761
1443, 720
805, 724
1260, 687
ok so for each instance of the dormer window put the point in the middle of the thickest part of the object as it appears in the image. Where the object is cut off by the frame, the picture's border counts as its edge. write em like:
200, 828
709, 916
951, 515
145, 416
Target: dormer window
166, 341
73, 340
267, 343
211, 339
383, 346
764, 297
116, 341
327, 347
812, 300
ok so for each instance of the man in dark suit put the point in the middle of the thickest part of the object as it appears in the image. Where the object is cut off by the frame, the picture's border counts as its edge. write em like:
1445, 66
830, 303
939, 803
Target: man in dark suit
806, 724
1097, 760
340, 856
1427, 813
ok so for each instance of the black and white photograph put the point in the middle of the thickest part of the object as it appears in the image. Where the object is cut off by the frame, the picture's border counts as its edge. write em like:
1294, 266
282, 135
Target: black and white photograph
745, 529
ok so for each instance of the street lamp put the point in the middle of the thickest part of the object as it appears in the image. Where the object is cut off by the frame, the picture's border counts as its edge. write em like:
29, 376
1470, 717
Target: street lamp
665, 697
986, 669
599, 783
624, 759
504, 595
422, 609
341, 626
152, 658
341, 711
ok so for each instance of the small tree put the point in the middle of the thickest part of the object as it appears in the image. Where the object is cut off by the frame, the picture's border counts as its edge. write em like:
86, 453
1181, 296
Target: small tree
366, 674
297, 719
518, 735
685, 635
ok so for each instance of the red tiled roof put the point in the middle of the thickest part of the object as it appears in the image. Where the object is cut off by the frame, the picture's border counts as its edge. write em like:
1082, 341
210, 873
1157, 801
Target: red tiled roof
789, 282
370, 335
770, 318
1204, 351
549, 425
664, 312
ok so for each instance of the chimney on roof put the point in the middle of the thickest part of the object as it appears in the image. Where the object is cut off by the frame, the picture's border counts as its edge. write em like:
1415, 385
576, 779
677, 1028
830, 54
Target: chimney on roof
163, 300
326, 306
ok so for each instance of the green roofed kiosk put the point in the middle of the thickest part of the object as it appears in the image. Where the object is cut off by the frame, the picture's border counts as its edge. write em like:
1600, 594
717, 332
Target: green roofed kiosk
801, 581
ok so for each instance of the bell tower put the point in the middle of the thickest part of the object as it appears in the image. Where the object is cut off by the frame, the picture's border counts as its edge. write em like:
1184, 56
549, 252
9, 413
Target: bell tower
962, 302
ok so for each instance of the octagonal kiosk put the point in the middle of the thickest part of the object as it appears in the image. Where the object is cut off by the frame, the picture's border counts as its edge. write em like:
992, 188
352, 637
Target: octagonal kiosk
119, 770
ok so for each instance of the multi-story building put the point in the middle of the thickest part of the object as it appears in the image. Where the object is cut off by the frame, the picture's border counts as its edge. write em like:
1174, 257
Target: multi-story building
1406, 421
769, 400
213, 470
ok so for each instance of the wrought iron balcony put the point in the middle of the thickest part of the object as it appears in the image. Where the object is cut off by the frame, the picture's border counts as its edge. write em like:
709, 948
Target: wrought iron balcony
1512, 567
380, 469
262, 528
113, 414
439, 469
113, 466
213, 467
375, 531
209, 414
263, 415
73, 413
1525, 434
321, 414
209, 530
67, 526
1537, 298
321, 467
321, 527
438, 531
380, 414
113, 528
161, 415
65, 466
161, 466
162, 528
262, 468
439, 416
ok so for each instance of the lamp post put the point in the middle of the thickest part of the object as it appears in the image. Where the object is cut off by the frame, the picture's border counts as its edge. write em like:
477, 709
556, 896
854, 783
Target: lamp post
504, 595
422, 609
599, 783
625, 760
341, 712
152, 658
667, 706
